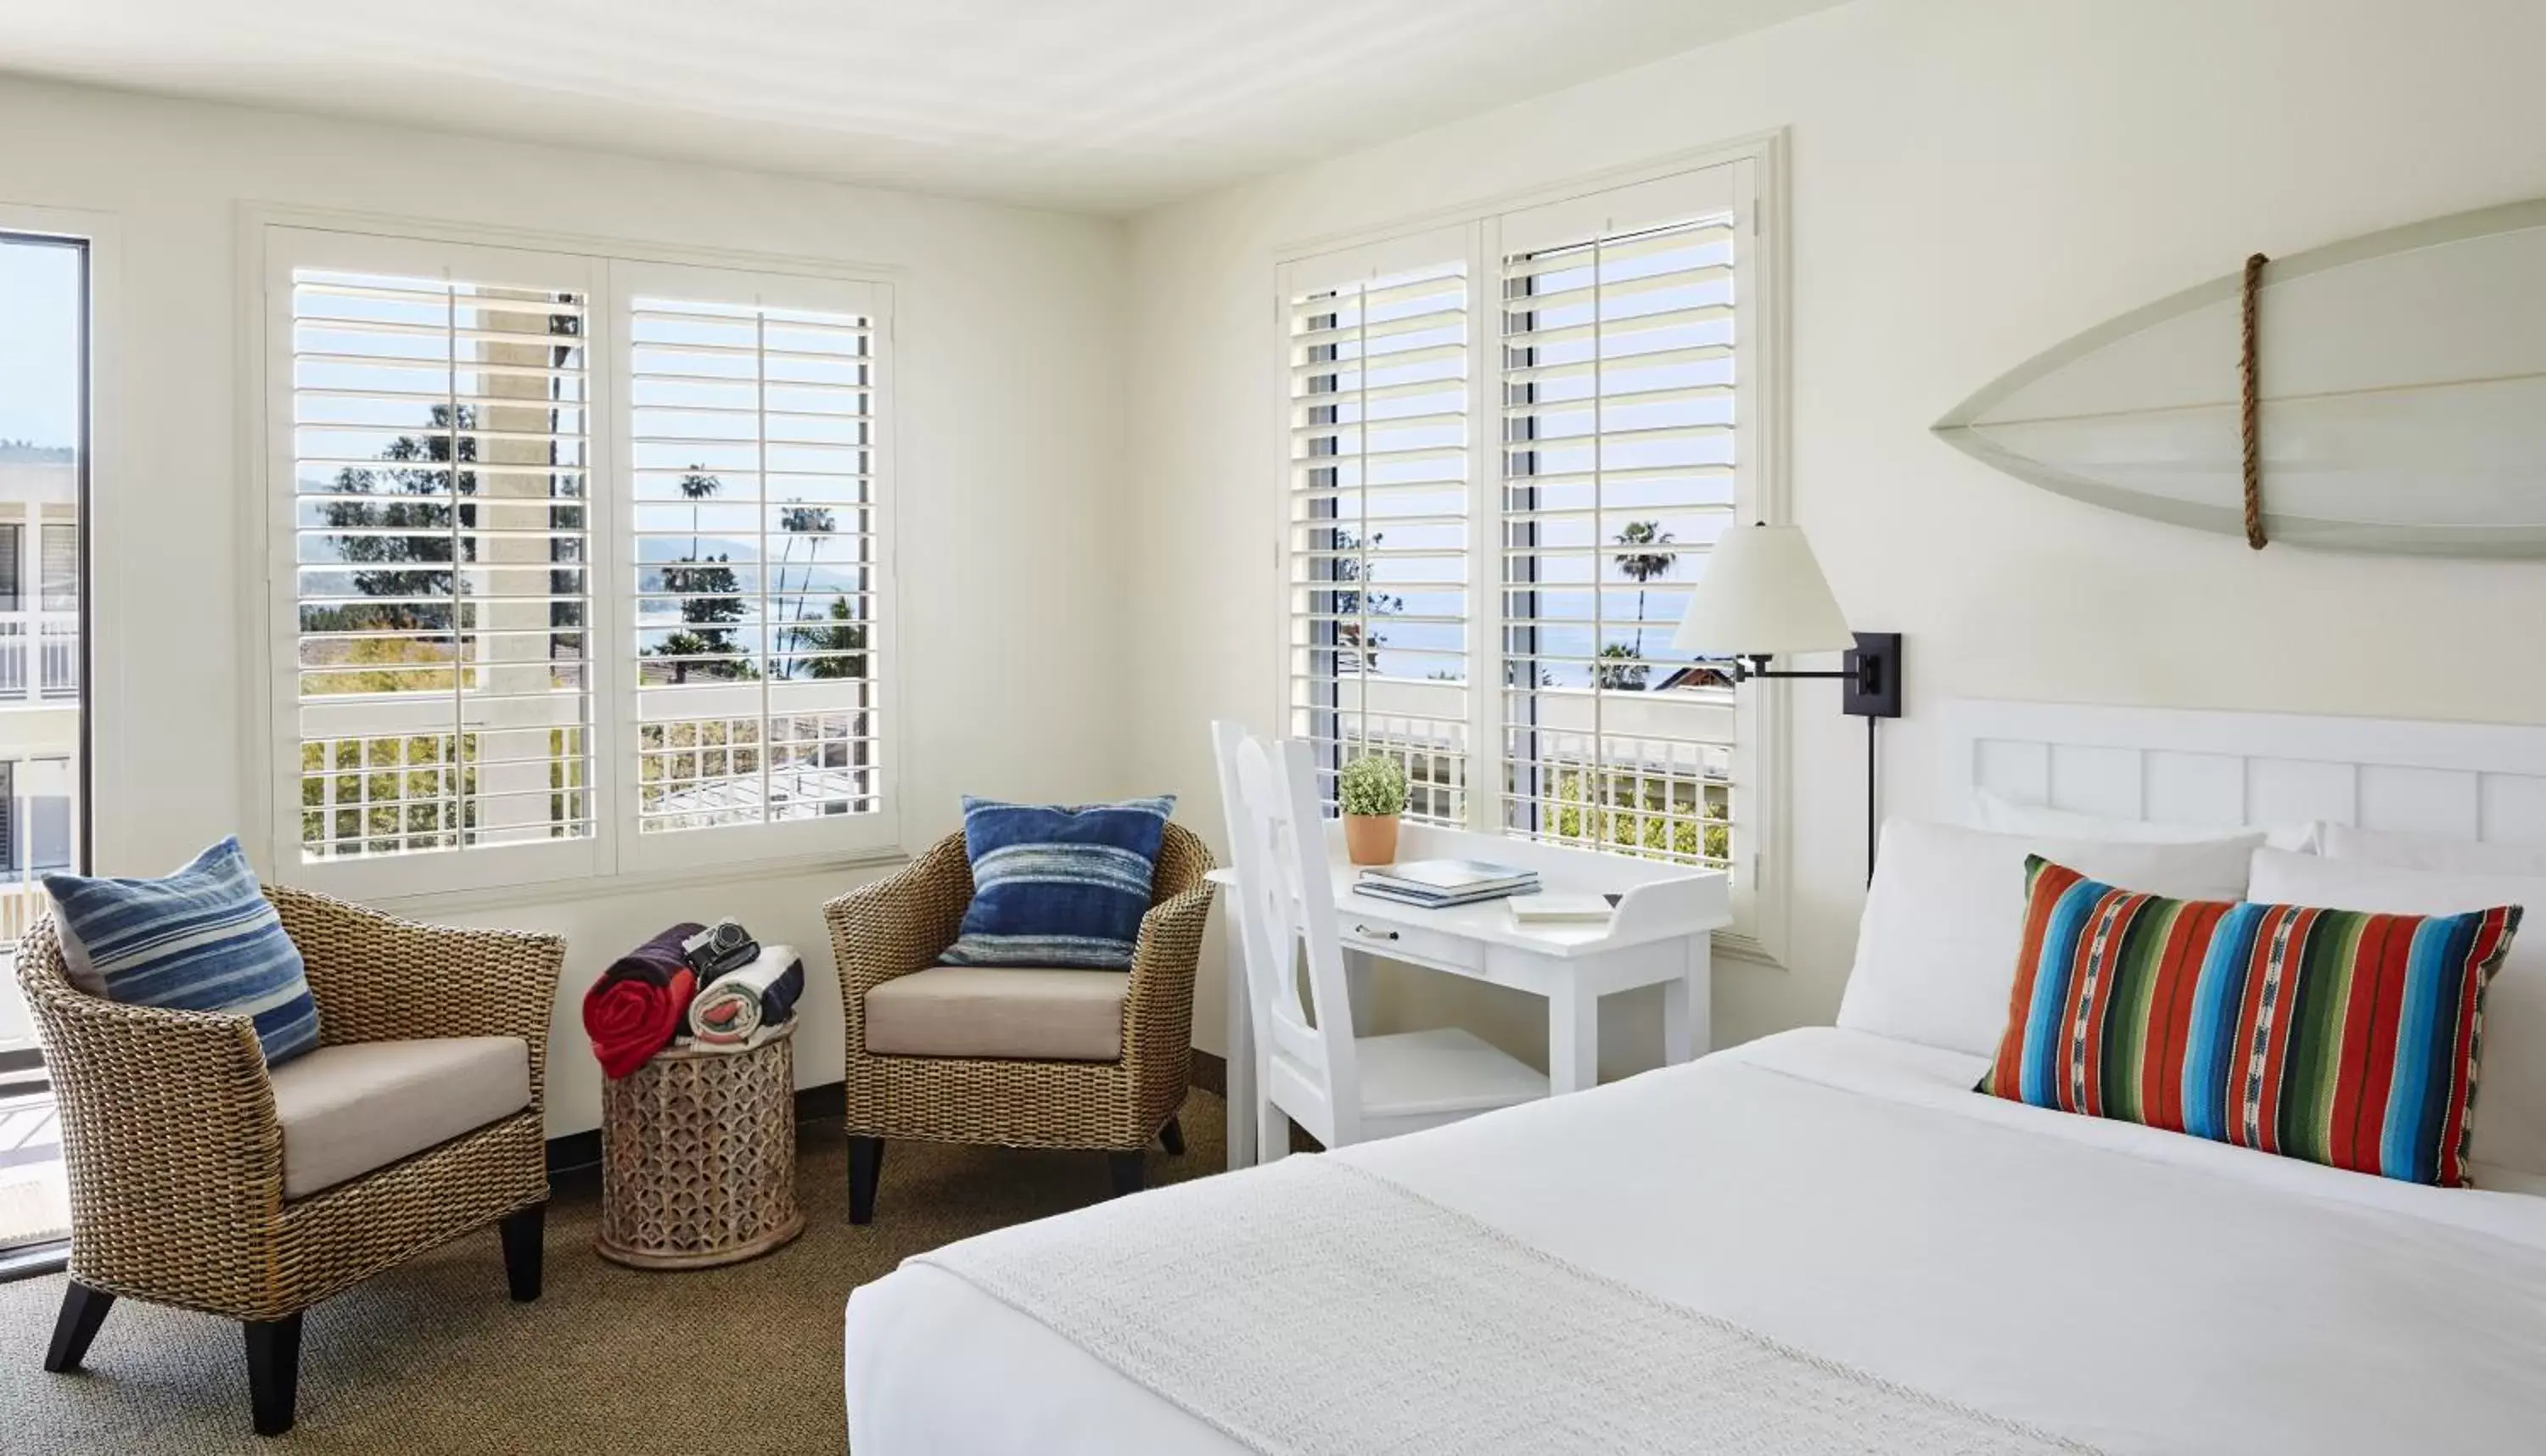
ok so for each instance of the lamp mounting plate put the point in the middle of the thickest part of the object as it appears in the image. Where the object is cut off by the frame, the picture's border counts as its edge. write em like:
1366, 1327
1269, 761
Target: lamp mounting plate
1871, 686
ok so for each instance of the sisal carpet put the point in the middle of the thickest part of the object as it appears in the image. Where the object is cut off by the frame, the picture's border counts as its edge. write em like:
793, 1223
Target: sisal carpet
431, 1357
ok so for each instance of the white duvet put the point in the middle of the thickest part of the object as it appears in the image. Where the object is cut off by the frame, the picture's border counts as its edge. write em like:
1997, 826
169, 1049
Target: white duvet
2133, 1289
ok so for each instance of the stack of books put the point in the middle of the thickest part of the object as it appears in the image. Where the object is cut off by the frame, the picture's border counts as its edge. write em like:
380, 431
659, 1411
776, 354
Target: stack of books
1437, 883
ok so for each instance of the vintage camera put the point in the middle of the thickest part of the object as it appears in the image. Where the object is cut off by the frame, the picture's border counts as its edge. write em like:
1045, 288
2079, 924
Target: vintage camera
722, 947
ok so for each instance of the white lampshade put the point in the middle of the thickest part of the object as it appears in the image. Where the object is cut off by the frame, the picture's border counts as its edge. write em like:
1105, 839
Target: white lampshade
1762, 595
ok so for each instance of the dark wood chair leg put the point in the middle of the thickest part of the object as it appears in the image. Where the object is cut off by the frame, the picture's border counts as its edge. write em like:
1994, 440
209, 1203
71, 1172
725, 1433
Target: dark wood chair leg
273, 1372
1172, 1137
866, 1169
83, 1309
525, 1241
1125, 1168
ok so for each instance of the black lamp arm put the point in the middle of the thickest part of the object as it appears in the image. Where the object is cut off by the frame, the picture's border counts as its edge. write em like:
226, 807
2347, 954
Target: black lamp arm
1872, 672
1872, 668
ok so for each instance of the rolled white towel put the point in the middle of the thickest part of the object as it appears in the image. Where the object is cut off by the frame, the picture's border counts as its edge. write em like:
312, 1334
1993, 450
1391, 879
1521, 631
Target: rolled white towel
734, 1005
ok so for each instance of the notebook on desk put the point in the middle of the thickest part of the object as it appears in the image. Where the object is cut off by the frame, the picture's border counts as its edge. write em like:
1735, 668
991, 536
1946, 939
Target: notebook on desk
1533, 911
1438, 883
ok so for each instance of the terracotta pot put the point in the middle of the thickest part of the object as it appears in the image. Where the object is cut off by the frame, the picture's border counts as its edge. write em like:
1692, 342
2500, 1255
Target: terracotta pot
1370, 838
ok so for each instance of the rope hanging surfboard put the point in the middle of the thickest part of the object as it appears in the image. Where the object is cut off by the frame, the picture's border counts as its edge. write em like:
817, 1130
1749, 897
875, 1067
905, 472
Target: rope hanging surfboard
2249, 401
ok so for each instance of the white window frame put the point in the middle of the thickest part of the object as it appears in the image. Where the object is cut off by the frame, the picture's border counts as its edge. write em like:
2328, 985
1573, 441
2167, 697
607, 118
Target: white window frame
608, 274
1762, 733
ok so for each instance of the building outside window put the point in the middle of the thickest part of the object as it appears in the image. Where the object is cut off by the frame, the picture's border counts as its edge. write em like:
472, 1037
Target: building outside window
43, 430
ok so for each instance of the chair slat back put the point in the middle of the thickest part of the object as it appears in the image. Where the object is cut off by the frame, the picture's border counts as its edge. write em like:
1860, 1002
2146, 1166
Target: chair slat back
1285, 907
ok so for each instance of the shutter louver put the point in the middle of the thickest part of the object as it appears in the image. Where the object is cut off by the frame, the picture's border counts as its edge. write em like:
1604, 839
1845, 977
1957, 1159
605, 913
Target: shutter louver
439, 451
1618, 471
1379, 531
754, 526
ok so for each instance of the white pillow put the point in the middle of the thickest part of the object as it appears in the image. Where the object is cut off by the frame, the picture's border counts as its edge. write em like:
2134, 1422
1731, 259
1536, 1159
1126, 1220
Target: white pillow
77, 967
1935, 953
2431, 853
2510, 1087
2003, 816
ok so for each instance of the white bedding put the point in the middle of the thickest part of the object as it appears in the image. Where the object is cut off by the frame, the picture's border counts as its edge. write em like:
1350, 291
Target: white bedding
2135, 1290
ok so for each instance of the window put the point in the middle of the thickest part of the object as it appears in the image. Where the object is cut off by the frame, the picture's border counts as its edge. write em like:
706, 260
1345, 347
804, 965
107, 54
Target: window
578, 563
1379, 550
754, 608
1619, 460
439, 469
45, 277
61, 547
41, 790
1553, 472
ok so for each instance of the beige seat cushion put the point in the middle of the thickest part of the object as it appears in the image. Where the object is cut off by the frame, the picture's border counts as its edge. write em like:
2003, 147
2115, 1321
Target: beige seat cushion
1010, 1012
348, 1109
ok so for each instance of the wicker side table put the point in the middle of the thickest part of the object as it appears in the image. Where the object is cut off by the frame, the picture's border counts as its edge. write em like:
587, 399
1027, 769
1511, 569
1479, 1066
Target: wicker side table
697, 1157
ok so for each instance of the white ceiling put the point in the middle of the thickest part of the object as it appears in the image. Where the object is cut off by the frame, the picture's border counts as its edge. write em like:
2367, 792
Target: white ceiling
1092, 105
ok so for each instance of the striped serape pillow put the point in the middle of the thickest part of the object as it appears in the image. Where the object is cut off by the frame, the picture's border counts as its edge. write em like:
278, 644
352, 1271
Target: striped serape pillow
2334, 1036
202, 939
1059, 886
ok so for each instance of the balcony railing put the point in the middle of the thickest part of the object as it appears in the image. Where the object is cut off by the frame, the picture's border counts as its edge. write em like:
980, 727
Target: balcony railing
52, 641
22, 901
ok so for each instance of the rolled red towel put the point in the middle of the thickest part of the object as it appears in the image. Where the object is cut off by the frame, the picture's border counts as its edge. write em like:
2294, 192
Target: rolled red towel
629, 1020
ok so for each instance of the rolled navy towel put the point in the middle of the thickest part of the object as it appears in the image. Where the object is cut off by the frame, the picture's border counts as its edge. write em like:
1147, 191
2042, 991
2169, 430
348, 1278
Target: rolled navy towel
777, 999
654, 962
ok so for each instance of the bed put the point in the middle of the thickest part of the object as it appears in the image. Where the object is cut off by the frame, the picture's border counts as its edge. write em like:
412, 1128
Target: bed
1910, 1266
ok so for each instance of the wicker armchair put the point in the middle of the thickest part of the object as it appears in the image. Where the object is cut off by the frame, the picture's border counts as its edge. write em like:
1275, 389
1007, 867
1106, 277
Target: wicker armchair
902, 925
176, 1158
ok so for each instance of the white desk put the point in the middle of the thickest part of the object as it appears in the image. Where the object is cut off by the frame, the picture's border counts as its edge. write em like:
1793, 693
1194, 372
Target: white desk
1658, 935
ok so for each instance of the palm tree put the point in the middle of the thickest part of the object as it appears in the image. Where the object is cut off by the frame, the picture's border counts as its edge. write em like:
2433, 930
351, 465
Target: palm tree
696, 486
798, 519
1621, 668
1644, 565
841, 634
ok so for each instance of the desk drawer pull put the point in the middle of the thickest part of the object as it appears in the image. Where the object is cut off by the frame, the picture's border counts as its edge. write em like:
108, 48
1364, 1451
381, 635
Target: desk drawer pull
1366, 933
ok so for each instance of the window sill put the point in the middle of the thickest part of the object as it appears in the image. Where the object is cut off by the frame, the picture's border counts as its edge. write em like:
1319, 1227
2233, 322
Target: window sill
429, 904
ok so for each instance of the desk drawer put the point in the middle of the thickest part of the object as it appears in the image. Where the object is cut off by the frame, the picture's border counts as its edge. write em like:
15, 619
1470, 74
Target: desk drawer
1409, 943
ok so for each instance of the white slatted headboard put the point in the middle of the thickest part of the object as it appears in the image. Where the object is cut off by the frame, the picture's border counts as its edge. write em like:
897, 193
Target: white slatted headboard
2458, 780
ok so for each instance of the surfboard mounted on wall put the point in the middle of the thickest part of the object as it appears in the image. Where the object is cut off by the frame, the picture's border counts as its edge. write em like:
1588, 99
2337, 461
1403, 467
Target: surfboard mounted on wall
2403, 386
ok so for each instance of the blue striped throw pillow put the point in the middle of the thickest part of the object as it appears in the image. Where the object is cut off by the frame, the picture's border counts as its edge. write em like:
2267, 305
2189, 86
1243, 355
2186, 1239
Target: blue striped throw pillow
202, 939
1059, 886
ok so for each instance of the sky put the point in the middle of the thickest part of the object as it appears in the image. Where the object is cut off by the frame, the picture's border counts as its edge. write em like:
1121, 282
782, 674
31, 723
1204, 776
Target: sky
39, 343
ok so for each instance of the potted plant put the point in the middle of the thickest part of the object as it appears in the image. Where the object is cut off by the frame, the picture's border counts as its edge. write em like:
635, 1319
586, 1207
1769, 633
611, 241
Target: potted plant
1372, 792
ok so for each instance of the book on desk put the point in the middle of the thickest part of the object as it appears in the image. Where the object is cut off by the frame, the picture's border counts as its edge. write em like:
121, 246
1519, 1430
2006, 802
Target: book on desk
1545, 909
1436, 884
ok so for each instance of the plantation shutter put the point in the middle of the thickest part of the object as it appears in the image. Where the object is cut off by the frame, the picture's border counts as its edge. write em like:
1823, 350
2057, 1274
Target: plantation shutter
1621, 461
1379, 592
754, 463
438, 454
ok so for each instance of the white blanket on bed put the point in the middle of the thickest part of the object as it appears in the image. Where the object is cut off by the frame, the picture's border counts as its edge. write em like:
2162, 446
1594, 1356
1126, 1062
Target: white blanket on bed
1319, 1310
2140, 1291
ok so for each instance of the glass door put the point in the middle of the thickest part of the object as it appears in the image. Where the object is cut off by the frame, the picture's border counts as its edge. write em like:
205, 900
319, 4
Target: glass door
43, 714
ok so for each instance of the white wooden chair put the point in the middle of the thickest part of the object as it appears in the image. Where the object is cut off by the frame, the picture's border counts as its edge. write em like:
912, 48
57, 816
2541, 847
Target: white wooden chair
1310, 1069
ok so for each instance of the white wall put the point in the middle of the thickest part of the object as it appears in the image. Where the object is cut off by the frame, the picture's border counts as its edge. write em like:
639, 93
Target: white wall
1973, 181
1008, 411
